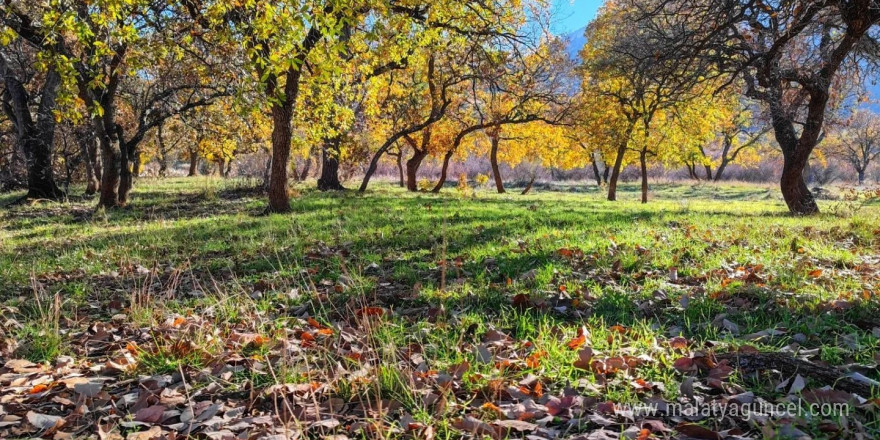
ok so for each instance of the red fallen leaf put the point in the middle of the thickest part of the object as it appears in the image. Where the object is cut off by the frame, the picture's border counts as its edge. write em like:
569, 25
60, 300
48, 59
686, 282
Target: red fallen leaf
521, 300
308, 339
644, 434
720, 372
132, 348
607, 408
684, 365
697, 431
312, 322
816, 273
178, 321
150, 414
371, 311
585, 358
641, 384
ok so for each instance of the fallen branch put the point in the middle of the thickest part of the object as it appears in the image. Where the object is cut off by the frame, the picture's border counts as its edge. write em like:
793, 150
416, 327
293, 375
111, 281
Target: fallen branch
790, 366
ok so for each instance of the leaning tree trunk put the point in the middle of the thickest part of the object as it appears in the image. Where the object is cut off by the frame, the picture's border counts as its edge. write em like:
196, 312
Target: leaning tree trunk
412, 169
643, 162
444, 172
596, 172
304, 174
720, 171
329, 180
528, 187
496, 170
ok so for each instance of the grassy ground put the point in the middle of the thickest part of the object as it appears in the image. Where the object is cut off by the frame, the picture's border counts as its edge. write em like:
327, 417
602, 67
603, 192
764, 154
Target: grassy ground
412, 315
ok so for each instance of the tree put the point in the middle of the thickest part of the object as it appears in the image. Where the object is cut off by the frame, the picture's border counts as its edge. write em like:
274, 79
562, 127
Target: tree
28, 99
627, 70
858, 143
791, 56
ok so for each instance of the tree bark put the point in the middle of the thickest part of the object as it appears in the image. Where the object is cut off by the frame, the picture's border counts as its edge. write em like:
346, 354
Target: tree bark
329, 180
279, 198
400, 173
493, 158
126, 178
596, 170
643, 161
35, 137
708, 172
528, 187
720, 171
193, 163
861, 177
444, 172
412, 169
618, 163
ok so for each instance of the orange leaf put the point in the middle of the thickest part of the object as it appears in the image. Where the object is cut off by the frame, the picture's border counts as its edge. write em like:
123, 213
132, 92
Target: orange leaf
178, 321
38, 388
576, 343
815, 273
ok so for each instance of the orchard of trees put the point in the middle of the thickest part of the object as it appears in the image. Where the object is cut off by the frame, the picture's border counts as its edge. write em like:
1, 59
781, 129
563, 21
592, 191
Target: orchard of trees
93, 92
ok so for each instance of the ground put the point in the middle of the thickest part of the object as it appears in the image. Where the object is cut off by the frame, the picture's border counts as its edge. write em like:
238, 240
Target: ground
396, 315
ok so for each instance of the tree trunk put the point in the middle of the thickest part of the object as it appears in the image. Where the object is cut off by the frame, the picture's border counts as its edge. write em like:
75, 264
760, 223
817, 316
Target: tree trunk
193, 163
596, 170
496, 171
400, 174
720, 171
329, 180
111, 160
126, 178
861, 177
708, 172
618, 163
87, 144
794, 190
162, 156
443, 172
412, 169
643, 161
605, 174
529, 186
35, 137
307, 167
279, 199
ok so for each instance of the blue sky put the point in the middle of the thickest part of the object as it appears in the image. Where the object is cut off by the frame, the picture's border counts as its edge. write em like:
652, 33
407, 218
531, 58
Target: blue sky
573, 14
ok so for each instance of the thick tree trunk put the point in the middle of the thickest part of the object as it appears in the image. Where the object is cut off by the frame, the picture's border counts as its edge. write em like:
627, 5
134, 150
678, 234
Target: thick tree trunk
794, 190
861, 177
36, 136
412, 169
708, 172
111, 161
193, 164
279, 198
643, 161
444, 172
329, 180
496, 170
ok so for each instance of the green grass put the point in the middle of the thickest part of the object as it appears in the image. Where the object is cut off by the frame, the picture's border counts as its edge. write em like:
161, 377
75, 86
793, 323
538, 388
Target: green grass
450, 268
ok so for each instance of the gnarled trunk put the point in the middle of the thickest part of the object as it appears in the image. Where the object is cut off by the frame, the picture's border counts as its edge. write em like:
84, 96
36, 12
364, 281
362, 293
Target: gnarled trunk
329, 180
412, 169
794, 190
